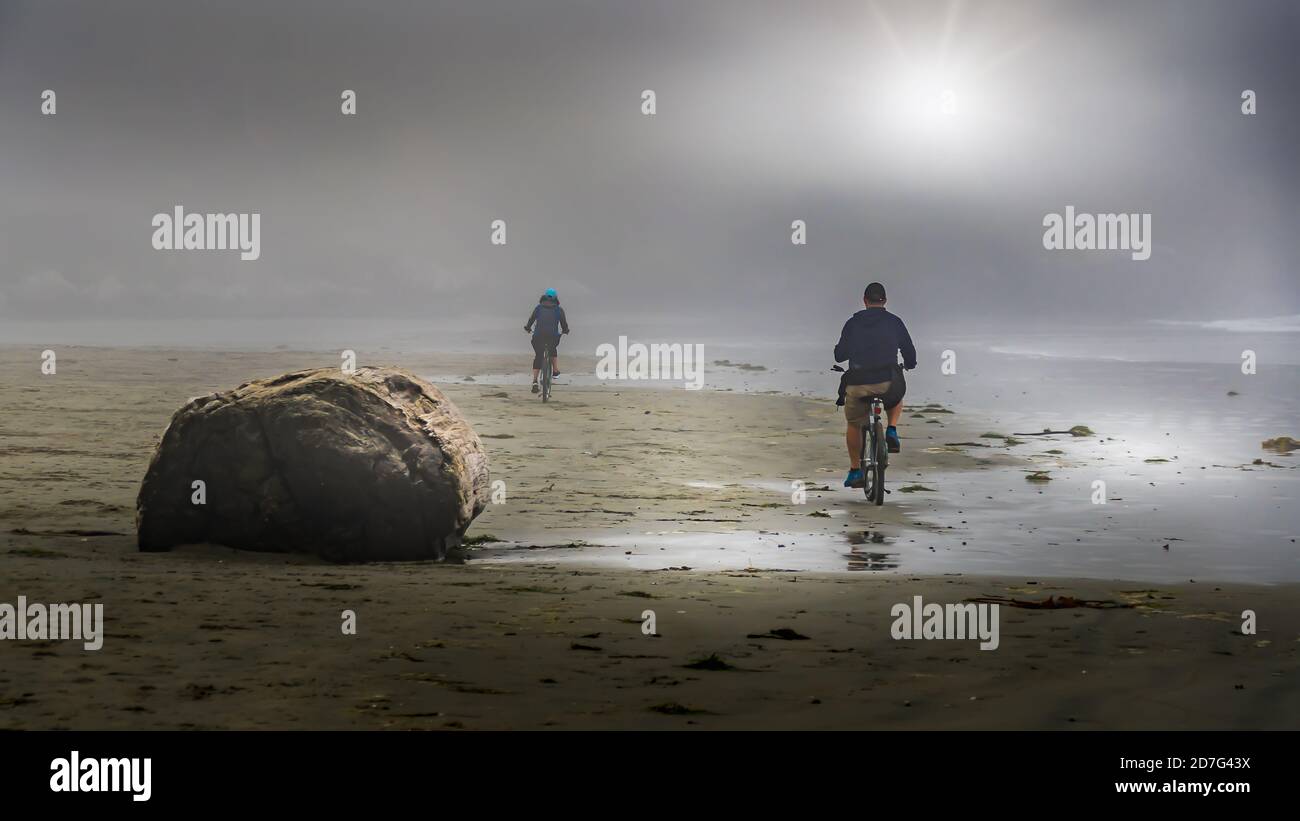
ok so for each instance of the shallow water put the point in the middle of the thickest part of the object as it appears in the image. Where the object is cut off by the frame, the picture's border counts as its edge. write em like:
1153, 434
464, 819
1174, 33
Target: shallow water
1163, 533
1205, 512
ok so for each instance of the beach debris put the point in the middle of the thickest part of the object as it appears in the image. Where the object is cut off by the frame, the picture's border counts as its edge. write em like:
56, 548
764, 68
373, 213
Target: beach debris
1282, 444
672, 708
916, 489
1148, 599
23, 531
37, 553
1054, 452
1155, 459
401, 655
1006, 440
482, 538
588, 647
198, 692
1233, 393
820, 514
783, 633
441, 680
1038, 476
712, 662
1268, 464
372, 465
1077, 430
1052, 603
744, 366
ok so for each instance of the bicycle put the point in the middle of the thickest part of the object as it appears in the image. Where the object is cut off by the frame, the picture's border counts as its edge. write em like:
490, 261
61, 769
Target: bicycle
874, 456
547, 374
548, 363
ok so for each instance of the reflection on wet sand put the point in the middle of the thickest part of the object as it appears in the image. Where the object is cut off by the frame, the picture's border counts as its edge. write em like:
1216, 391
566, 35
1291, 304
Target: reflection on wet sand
869, 560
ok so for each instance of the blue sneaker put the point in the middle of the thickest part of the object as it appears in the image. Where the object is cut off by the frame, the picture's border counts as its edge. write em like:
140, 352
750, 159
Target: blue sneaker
891, 440
854, 479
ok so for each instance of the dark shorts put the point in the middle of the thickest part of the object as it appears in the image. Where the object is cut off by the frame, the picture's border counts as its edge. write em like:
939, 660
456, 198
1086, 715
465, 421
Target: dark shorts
540, 345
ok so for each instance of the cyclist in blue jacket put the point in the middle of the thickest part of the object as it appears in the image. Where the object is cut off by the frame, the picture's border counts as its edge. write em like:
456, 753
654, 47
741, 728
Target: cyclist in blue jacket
546, 324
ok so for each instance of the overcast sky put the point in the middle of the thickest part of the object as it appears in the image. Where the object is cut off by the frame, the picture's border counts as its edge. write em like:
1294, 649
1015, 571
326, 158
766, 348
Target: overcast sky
530, 111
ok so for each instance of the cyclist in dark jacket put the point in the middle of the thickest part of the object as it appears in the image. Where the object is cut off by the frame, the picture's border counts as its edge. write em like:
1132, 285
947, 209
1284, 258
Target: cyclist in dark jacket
546, 323
871, 341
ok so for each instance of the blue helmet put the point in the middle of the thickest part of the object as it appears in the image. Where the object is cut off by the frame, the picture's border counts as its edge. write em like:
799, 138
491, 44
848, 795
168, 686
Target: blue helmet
550, 292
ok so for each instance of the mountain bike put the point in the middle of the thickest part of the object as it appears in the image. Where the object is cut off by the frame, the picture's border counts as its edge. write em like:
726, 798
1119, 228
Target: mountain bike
874, 456
548, 366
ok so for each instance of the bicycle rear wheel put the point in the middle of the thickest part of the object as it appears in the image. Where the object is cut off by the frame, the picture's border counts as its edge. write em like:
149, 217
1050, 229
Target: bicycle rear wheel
881, 461
546, 377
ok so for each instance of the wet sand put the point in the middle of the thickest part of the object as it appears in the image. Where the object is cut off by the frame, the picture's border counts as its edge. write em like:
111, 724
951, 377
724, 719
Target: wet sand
610, 492
206, 639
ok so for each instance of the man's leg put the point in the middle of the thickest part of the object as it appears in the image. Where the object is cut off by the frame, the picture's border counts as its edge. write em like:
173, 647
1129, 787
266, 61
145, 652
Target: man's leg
891, 435
537, 362
855, 416
853, 438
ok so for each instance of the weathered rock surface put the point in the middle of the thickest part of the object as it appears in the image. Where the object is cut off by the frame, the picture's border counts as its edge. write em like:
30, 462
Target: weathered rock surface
375, 466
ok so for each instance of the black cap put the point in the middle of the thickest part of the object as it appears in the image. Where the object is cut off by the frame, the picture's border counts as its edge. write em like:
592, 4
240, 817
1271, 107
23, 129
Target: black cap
875, 293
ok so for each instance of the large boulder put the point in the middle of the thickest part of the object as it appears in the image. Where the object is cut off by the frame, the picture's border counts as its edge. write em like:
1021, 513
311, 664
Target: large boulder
373, 466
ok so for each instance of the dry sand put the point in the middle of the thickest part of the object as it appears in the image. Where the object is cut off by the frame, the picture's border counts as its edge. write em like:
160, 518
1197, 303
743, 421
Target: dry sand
208, 637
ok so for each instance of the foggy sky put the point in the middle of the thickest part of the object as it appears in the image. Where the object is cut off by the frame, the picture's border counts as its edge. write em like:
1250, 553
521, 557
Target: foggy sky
529, 111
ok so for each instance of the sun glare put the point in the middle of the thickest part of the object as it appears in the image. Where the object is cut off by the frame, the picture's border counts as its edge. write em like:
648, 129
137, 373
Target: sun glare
934, 88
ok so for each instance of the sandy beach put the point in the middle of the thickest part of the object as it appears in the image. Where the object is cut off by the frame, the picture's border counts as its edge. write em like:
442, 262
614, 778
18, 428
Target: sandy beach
771, 586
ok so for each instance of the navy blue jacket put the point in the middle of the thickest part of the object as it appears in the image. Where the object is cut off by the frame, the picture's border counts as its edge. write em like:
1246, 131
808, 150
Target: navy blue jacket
547, 319
871, 341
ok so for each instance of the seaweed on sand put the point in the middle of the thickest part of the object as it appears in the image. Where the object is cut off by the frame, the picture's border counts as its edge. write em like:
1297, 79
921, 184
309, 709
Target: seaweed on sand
713, 662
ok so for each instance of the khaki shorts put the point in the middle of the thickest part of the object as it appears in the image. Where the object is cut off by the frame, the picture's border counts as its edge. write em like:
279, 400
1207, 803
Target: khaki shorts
855, 406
